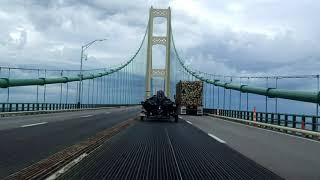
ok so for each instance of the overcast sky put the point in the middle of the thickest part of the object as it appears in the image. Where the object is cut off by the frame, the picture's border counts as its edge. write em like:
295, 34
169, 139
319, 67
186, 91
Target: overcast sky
222, 37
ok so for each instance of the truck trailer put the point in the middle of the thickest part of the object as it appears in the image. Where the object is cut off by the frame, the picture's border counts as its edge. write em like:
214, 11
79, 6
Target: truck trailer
189, 97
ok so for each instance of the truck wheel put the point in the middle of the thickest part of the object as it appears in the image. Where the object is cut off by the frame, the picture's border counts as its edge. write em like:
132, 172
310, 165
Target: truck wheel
142, 118
176, 118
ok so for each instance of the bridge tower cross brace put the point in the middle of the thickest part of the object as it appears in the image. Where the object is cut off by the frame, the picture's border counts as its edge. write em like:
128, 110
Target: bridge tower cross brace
162, 40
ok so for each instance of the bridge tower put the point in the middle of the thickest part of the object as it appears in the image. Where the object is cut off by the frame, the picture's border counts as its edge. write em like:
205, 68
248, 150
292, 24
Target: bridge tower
162, 40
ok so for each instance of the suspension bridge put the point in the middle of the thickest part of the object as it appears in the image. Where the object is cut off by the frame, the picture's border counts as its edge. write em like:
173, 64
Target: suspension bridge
72, 124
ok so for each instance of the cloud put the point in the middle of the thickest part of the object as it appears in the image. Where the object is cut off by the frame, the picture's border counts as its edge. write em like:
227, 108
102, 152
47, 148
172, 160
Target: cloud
233, 37
240, 36
70, 24
249, 36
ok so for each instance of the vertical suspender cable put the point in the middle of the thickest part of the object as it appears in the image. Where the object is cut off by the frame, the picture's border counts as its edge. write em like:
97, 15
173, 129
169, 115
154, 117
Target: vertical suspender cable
130, 81
317, 110
128, 84
240, 95
218, 97
127, 95
82, 92
101, 89
107, 89
81, 82
97, 90
317, 113
125, 88
230, 94
224, 94
89, 91
267, 86
8, 91
77, 92
205, 93
117, 100
104, 89
92, 95
248, 96
38, 87
120, 87
67, 95
276, 99
213, 92
45, 87
97, 96
113, 88
61, 74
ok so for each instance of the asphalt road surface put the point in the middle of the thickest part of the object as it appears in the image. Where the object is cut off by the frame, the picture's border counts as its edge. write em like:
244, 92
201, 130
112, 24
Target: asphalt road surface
289, 156
28, 139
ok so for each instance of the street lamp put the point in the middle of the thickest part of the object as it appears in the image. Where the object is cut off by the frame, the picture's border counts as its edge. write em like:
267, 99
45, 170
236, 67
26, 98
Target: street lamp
83, 48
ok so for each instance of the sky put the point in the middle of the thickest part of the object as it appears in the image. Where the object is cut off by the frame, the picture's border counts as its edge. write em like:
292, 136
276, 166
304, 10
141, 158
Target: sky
237, 36
230, 37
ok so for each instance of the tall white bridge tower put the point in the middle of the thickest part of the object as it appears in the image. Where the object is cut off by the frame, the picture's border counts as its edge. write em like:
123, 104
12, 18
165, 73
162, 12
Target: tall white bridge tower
162, 40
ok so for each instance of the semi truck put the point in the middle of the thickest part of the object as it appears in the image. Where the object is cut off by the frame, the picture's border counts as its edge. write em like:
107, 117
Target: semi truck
189, 97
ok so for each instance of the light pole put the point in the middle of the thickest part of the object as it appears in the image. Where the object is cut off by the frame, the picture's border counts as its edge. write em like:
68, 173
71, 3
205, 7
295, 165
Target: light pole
83, 48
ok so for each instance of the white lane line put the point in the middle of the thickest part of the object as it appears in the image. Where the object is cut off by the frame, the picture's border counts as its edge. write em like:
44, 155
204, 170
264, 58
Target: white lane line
67, 167
174, 154
87, 116
107, 112
35, 124
216, 138
189, 122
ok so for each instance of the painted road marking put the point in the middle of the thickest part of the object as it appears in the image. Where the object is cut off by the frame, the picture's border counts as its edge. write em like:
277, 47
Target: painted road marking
87, 116
216, 138
67, 167
35, 124
189, 122
107, 112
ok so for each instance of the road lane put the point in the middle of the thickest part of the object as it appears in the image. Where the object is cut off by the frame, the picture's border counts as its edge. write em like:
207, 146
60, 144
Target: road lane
289, 156
18, 121
21, 147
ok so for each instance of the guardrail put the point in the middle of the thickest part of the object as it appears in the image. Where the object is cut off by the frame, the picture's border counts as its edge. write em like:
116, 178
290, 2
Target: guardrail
295, 121
18, 107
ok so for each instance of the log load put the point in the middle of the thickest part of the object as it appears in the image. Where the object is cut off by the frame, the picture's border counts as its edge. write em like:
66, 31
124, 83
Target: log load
189, 93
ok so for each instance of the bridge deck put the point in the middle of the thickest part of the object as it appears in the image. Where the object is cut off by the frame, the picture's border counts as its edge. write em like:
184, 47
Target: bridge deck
165, 150
23, 146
